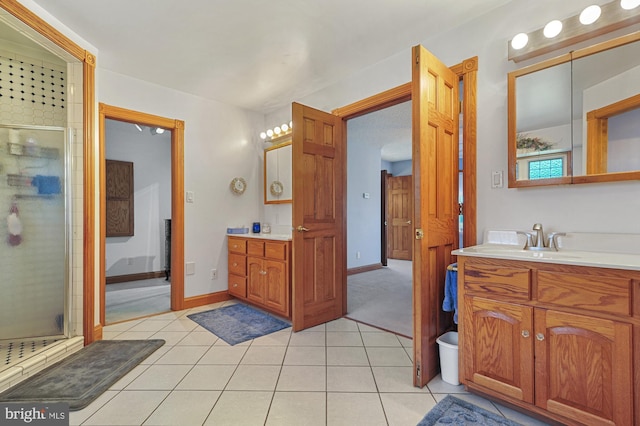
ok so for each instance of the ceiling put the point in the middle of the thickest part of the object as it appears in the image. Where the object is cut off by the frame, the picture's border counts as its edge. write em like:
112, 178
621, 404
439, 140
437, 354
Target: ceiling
258, 55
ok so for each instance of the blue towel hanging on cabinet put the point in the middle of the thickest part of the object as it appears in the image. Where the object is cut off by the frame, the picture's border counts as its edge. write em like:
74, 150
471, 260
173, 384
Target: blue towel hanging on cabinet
450, 302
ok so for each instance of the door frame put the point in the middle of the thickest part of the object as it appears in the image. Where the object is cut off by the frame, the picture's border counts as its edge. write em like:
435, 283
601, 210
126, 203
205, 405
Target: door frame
177, 195
467, 73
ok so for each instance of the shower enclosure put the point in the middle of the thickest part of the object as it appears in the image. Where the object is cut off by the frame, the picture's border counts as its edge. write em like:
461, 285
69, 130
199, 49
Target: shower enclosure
35, 167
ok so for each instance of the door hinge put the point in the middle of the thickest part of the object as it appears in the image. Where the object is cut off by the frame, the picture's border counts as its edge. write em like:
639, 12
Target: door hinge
418, 371
460, 208
460, 107
417, 60
419, 234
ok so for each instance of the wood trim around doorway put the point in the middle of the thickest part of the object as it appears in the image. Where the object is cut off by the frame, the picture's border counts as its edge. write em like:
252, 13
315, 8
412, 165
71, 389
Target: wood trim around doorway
177, 193
467, 72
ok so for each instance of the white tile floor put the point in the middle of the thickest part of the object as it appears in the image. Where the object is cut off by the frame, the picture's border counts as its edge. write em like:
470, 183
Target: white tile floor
340, 373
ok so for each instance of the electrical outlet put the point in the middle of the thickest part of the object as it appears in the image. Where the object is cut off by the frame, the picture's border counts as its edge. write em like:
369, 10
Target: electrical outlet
357, 255
214, 274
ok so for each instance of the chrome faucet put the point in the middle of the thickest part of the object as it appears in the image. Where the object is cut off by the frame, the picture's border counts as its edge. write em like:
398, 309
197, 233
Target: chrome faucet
538, 237
537, 241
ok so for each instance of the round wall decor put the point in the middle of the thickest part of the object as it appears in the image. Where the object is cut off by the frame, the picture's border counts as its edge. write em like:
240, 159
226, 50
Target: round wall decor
238, 185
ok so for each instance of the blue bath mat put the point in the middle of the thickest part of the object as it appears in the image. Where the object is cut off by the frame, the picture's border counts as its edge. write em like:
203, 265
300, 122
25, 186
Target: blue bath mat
454, 411
238, 323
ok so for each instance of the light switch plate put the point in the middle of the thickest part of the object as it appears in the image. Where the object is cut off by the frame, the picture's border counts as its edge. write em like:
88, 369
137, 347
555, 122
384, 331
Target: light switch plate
190, 196
190, 268
496, 179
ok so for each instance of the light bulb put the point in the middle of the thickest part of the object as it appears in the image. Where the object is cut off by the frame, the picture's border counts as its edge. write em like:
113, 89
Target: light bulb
519, 41
269, 132
291, 124
277, 130
629, 4
159, 130
552, 29
590, 14
284, 127
263, 135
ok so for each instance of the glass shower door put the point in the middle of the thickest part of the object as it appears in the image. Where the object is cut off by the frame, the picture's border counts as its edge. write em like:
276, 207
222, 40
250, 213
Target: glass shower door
34, 246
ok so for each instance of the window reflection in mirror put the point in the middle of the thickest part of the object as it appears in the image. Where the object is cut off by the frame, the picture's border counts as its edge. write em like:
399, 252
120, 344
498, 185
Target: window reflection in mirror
543, 123
278, 174
575, 118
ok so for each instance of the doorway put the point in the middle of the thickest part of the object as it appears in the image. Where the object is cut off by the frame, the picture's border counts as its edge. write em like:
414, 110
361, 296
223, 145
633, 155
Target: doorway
379, 262
138, 221
427, 276
169, 233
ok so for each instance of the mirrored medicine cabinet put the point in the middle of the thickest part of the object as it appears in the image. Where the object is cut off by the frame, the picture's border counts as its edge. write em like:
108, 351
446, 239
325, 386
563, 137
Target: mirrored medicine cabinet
278, 173
576, 118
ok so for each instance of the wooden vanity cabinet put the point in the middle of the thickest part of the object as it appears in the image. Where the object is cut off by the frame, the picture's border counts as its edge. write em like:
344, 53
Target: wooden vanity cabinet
264, 275
556, 340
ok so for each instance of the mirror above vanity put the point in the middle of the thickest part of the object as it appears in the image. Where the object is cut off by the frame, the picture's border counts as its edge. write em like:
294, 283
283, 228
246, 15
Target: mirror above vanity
576, 118
277, 173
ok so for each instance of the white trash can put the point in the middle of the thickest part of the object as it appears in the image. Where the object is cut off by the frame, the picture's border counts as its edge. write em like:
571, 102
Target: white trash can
448, 345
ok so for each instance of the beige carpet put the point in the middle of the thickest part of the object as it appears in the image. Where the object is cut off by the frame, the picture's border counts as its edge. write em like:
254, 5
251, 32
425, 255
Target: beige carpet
383, 298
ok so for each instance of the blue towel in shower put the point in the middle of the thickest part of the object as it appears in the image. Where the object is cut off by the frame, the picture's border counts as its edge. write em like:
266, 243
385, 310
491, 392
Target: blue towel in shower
450, 302
46, 185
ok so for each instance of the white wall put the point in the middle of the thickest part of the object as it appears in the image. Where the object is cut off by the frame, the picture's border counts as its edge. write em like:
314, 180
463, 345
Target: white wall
221, 142
151, 158
363, 214
603, 207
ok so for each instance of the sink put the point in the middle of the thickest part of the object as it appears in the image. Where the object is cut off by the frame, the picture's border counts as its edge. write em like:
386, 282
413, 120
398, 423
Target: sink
570, 257
517, 251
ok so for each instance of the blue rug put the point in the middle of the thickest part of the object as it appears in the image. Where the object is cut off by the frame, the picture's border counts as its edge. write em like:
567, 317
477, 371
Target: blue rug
454, 411
238, 323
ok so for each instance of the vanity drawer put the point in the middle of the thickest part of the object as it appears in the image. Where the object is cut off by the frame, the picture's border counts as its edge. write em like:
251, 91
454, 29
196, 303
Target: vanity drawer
237, 264
599, 293
255, 248
497, 280
237, 245
237, 285
275, 250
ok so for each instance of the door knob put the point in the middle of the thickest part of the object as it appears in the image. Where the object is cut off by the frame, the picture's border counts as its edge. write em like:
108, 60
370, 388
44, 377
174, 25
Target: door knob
302, 229
409, 222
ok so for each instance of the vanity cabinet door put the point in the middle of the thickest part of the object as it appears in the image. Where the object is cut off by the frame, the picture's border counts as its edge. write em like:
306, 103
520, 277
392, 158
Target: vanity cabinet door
498, 351
268, 285
584, 367
276, 286
255, 280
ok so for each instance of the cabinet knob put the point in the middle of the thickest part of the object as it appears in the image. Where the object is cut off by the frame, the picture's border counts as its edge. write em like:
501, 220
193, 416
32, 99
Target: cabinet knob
525, 333
235, 263
540, 336
263, 272
235, 285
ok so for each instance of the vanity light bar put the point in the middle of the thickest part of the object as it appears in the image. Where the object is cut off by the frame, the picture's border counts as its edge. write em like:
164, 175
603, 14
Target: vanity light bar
612, 16
277, 132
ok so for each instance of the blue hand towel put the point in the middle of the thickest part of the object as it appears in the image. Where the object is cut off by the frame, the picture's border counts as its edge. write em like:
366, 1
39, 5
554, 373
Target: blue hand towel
46, 185
450, 302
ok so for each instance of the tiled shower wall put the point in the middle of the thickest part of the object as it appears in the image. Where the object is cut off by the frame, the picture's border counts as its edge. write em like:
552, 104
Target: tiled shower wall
41, 93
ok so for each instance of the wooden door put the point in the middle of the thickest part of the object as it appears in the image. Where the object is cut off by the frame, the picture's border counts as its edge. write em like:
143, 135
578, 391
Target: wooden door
499, 347
319, 244
434, 94
400, 203
584, 368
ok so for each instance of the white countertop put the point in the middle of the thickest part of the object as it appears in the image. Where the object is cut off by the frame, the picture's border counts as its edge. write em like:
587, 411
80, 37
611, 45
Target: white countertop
279, 237
628, 261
